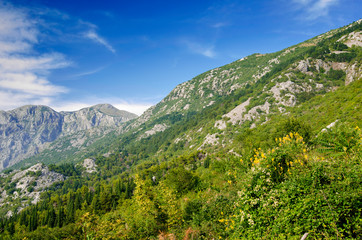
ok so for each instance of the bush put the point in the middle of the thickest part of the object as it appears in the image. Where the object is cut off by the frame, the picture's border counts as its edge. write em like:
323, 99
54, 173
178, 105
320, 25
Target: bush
339, 46
340, 139
181, 180
336, 74
294, 125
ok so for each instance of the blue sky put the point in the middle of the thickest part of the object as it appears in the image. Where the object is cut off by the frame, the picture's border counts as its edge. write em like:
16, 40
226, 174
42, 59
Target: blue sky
73, 54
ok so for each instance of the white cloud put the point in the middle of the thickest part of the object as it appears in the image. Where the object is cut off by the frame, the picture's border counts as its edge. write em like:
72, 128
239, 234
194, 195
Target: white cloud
219, 25
91, 34
29, 83
16, 27
207, 51
23, 71
133, 107
313, 9
20, 63
86, 73
137, 108
11, 100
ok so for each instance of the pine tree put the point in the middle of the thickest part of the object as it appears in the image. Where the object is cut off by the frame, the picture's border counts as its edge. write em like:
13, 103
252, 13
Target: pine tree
70, 208
51, 218
60, 217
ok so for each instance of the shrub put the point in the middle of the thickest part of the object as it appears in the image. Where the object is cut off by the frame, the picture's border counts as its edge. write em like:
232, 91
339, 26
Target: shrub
340, 139
294, 125
181, 180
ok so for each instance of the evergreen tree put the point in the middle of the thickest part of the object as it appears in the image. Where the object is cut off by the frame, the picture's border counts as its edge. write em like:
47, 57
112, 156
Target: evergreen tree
60, 217
70, 208
51, 218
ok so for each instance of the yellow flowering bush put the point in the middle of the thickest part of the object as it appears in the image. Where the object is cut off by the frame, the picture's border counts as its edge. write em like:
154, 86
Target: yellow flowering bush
278, 162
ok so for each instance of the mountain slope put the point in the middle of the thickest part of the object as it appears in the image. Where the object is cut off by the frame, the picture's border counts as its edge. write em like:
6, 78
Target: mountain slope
28, 130
248, 91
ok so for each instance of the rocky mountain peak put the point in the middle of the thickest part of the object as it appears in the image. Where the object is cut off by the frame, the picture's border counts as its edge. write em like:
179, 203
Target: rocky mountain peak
26, 130
112, 111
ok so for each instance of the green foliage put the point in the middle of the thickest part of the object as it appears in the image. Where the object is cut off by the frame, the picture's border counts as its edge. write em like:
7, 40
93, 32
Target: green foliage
67, 169
306, 199
336, 74
33, 174
181, 180
294, 125
341, 139
339, 46
10, 188
342, 57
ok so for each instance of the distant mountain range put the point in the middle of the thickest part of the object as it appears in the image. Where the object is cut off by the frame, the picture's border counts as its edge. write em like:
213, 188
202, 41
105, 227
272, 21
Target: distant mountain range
28, 130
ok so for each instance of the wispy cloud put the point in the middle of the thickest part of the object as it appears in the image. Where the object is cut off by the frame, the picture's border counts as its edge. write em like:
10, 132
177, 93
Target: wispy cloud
23, 71
219, 25
195, 47
91, 34
86, 73
313, 9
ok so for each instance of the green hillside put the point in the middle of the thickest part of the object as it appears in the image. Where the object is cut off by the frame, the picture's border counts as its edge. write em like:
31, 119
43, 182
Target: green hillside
267, 147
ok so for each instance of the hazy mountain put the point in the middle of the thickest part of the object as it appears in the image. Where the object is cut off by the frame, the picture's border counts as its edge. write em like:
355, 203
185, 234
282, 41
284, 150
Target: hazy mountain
28, 130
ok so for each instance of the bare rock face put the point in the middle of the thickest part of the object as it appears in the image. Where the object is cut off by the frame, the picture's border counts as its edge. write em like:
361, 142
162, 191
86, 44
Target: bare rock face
101, 115
28, 184
157, 128
90, 165
27, 130
24, 131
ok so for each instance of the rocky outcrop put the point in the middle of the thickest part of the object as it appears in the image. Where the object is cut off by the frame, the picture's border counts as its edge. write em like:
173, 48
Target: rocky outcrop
27, 184
354, 38
90, 165
157, 128
27, 130
210, 139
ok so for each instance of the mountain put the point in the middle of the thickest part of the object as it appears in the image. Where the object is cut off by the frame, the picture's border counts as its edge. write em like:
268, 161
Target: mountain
250, 90
28, 130
256, 87
266, 147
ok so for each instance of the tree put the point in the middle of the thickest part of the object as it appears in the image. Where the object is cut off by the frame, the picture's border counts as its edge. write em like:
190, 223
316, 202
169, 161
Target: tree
145, 217
181, 180
170, 205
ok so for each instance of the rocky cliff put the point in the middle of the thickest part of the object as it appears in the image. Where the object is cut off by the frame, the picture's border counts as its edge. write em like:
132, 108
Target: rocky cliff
27, 130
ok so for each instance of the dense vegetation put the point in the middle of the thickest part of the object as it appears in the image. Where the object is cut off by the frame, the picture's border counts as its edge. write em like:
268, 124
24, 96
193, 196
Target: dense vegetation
278, 192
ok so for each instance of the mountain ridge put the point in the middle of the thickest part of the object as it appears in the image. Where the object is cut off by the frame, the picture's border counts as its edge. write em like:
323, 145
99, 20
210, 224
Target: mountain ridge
27, 130
291, 67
